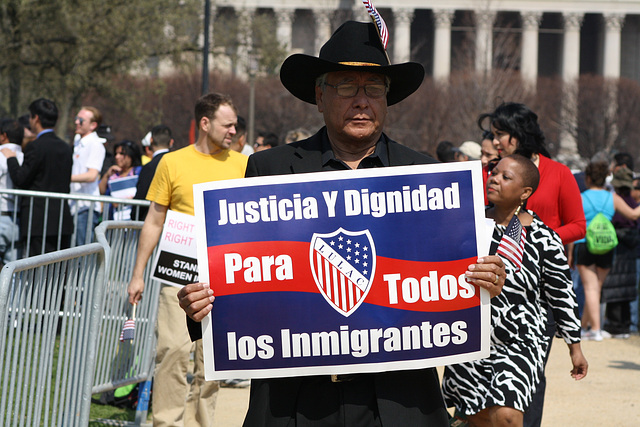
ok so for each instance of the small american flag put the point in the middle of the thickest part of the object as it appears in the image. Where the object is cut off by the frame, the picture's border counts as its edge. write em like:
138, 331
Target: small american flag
382, 26
128, 330
129, 327
511, 245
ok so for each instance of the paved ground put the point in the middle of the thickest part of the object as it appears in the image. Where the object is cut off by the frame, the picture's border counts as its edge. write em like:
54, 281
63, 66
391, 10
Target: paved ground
608, 396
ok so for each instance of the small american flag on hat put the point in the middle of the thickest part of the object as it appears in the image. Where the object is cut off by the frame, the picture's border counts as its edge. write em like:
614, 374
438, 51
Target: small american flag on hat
382, 26
511, 245
129, 328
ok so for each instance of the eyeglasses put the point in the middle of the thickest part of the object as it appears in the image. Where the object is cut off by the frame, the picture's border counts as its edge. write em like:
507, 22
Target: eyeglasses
79, 120
349, 90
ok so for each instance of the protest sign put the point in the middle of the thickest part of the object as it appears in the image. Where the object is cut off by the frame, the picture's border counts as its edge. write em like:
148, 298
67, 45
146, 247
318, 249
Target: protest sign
123, 188
175, 263
342, 272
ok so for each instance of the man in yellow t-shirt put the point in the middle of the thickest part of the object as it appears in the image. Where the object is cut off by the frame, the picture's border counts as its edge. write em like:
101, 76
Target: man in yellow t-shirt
175, 402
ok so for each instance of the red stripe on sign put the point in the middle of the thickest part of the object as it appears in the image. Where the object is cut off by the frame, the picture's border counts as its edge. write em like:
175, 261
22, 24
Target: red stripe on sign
441, 290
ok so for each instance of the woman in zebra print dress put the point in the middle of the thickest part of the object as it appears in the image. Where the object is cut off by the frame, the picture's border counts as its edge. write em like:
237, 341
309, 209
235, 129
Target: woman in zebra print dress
498, 389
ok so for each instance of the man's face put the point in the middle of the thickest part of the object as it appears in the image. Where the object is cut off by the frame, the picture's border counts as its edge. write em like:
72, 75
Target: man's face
358, 119
84, 123
259, 144
32, 123
221, 128
238, 142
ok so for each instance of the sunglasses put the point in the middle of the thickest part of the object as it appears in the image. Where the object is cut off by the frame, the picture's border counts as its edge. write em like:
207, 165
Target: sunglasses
492, 164
79, 120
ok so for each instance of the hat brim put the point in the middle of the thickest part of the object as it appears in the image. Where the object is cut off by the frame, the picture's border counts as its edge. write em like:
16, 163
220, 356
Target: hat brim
299, 73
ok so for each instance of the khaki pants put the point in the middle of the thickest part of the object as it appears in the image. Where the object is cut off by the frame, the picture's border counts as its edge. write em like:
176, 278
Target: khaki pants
175, 402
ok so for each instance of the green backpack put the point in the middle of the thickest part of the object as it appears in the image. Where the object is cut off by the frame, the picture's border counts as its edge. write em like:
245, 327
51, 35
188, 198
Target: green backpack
601, 234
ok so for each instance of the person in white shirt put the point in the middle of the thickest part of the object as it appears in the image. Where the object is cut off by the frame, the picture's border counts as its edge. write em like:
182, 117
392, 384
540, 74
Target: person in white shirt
88, 156
11, 135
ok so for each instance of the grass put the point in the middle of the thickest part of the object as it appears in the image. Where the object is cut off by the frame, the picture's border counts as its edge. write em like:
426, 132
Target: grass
108, 412
97, 411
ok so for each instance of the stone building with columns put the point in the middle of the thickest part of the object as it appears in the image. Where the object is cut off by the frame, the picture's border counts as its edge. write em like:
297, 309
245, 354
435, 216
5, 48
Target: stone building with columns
541, 38
564, 37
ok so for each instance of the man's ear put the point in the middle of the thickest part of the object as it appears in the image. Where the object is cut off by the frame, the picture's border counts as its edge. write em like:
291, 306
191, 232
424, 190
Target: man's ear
204, 124
171, 143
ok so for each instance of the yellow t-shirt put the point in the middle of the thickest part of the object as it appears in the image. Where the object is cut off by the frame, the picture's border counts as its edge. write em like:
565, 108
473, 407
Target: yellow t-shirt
178, 171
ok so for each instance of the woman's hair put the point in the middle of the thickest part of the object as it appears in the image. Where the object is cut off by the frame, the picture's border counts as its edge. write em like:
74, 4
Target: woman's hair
129, 148
597, 173
486, 134
521, 123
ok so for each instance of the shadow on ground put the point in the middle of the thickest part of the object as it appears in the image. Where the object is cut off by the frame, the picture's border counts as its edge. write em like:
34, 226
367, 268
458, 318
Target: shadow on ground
624, 364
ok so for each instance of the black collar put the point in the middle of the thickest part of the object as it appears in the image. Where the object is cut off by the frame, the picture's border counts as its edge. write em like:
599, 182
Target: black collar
379, 158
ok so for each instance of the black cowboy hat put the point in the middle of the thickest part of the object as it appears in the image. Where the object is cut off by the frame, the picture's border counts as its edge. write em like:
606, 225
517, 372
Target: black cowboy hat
353, 46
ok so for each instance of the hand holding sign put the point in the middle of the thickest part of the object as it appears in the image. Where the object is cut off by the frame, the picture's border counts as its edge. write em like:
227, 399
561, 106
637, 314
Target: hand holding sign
196, 300
488, 273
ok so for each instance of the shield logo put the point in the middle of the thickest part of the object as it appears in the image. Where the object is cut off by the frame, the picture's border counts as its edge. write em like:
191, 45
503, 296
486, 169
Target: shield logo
343, 264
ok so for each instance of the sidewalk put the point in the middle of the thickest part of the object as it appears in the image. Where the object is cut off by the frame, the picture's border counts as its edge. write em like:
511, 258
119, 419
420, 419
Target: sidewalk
608, 396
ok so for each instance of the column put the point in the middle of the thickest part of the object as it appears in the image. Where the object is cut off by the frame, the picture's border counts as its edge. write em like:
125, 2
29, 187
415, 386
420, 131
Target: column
611, 72
529, 59
442, 43
612, 41
284, 30
245, 39
570, 73
323, 28
484, 40
571, 46
359, 12
402, 18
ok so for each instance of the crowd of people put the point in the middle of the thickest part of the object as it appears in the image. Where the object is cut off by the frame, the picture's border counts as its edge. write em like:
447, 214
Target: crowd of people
352, 83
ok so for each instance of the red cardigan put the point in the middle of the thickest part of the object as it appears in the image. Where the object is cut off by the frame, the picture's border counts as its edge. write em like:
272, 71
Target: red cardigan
557, 201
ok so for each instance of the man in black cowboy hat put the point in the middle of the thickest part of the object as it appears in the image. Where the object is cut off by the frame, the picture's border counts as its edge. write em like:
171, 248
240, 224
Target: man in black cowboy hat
352, 83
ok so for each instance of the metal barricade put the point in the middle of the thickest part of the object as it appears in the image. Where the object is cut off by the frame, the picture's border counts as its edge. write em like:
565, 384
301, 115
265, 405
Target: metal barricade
117, 363
111, 208
50, 313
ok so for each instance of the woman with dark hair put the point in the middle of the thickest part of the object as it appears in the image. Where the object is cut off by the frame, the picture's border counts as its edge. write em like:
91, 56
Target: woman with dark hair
489, 152
594, 268
557, 202
119, 179
497, 390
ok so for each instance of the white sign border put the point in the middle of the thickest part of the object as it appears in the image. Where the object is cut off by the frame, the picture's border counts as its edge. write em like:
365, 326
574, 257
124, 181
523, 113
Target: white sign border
483, 239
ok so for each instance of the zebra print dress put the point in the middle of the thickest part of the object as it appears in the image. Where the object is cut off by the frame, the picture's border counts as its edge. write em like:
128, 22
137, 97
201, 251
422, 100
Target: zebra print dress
509, 376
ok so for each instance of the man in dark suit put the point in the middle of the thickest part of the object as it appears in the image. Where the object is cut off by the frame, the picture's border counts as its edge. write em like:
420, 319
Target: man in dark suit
46, 167
160, 141
352, 83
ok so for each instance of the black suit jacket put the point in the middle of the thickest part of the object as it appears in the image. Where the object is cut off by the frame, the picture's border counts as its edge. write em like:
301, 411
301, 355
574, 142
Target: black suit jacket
144, 182
306, 156
405, 398
46, 167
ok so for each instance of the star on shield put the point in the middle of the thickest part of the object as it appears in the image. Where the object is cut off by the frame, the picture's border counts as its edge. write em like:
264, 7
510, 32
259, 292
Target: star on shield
343, 264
